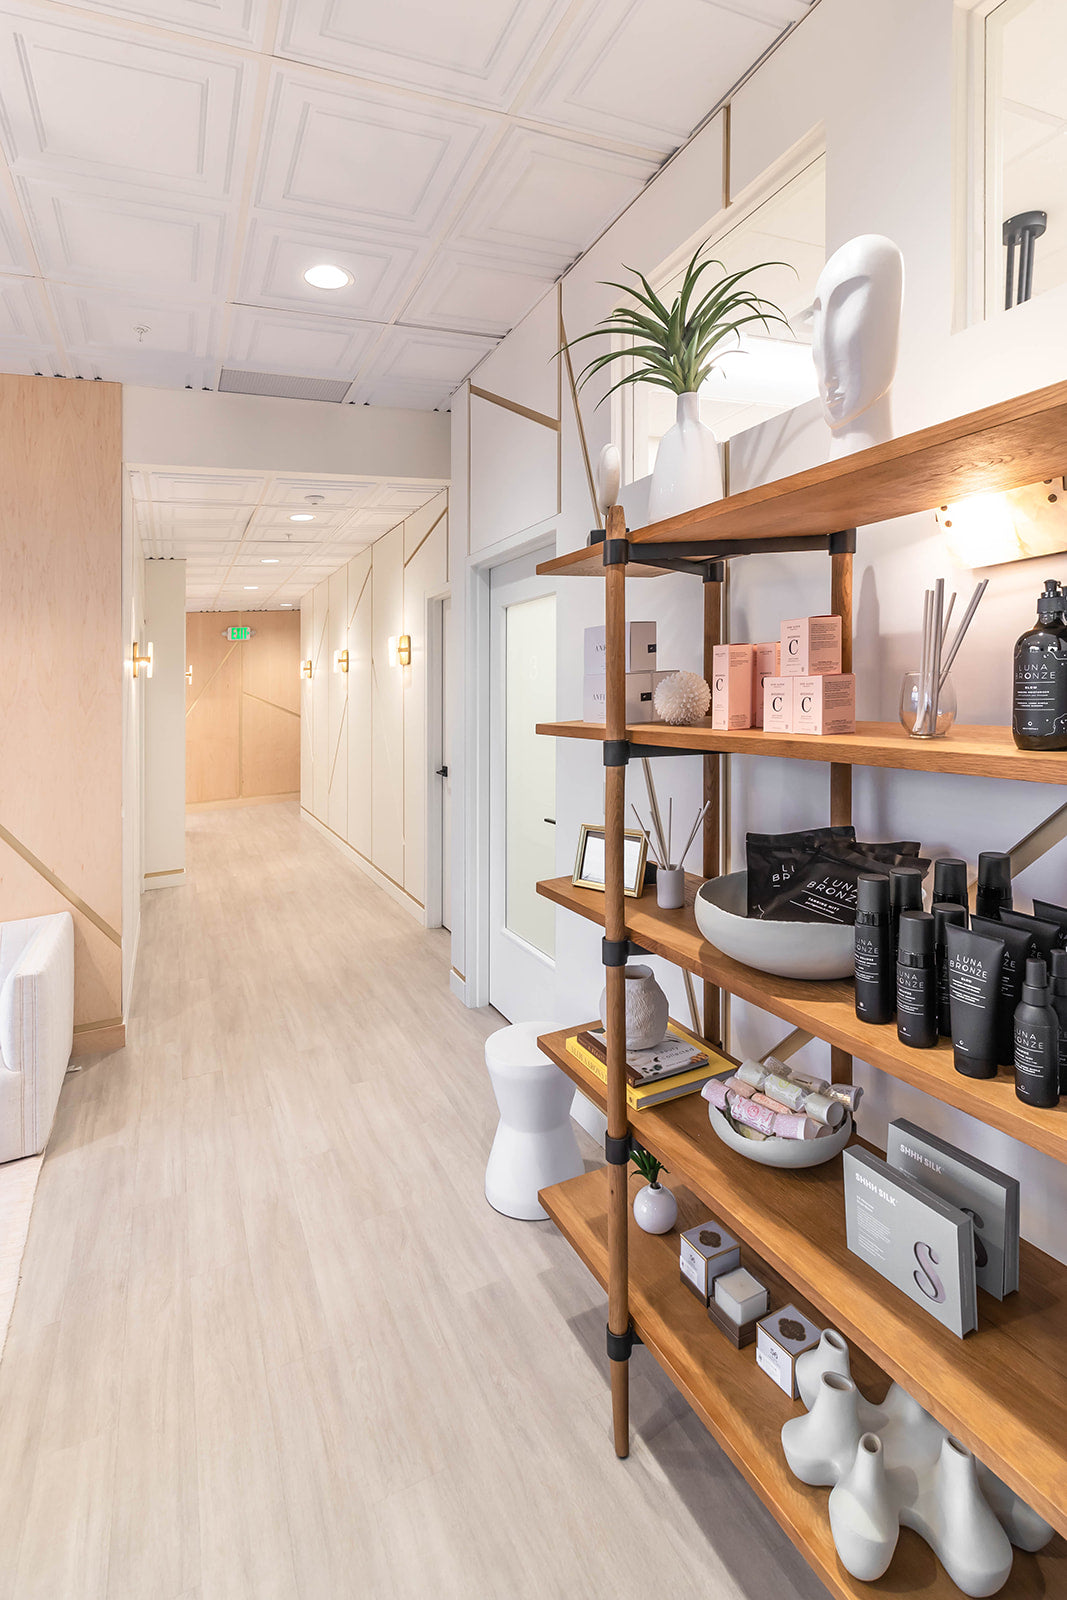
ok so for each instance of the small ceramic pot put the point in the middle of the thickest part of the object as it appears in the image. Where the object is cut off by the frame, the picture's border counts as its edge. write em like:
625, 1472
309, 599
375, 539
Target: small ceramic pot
670, 888
647, 1011
655, 1209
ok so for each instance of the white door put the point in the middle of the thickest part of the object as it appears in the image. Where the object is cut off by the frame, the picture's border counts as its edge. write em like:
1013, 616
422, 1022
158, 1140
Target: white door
444, 771
522, 790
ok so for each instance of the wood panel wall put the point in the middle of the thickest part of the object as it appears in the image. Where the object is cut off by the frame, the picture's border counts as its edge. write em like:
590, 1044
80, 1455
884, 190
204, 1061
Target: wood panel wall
62, 656
242, 709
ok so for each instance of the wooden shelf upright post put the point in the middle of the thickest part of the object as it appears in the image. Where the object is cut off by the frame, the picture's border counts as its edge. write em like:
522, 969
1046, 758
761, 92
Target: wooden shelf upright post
713, 765
615, 944
841, 553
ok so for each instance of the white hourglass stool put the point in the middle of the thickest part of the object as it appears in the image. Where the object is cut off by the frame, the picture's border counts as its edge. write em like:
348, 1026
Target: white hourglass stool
535, 1144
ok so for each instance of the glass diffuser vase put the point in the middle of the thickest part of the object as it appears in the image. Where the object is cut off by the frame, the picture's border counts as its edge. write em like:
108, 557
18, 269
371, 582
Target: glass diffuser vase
916, 718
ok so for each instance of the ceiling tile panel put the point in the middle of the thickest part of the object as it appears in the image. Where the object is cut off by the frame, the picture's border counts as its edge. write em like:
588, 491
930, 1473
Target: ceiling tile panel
235, 21
93, 321
478, 293
88, 235
366, 156
476, 52
206, 488
314, 346
418, 367
89, 102
293, 492
23, 322
278, 253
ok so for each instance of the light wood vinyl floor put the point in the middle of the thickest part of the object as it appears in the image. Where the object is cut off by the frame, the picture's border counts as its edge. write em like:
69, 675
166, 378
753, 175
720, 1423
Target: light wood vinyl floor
271, 1343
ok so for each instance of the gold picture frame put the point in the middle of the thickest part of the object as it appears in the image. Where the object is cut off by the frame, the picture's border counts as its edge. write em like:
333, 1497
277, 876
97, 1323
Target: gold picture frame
590, 860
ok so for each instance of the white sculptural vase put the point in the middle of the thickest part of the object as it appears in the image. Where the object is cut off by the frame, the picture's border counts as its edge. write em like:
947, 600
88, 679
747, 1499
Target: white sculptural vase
655, 1209
646, 1009
688, 472
863, 1516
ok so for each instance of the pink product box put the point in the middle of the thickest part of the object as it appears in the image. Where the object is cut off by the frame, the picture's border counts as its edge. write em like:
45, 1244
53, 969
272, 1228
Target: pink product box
766, 663
731, 686
811, 645
778, 705
825, 704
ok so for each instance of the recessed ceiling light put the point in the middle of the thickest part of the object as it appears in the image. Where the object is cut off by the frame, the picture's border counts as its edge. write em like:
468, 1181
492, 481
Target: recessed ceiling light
269, 561
326, 276
251, 585
287, 605
302, 516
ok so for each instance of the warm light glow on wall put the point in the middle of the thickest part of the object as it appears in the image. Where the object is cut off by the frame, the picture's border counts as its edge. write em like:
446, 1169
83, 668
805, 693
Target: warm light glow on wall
340, 661
987, 530
142, 664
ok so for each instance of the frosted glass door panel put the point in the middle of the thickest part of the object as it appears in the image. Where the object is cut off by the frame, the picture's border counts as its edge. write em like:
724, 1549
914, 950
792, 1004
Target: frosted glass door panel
530, 773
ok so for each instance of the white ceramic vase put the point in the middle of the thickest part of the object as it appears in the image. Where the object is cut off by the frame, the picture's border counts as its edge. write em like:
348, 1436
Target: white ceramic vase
646, 1009
688, 472
863, 1514
655, 1209
953, 1516
821, 1446
829, 1355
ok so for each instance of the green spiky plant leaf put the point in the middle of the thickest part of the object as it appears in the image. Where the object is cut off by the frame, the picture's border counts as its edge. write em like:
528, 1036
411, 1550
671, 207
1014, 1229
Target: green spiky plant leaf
677, 347
646, 1164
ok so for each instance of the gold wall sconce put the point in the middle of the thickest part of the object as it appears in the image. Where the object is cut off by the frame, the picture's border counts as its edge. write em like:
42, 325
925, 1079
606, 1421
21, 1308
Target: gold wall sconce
189, 676
305, 669
340, 661
142, 664
403, 650
989, 530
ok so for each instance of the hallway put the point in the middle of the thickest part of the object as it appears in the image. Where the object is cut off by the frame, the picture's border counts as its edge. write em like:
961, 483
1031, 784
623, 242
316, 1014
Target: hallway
270, 1341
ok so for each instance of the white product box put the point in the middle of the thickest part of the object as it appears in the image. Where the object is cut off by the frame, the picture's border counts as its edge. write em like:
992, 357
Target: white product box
811, 645
705, 1253
639, 686
825, 704
778, 705
780, 1338
640, 648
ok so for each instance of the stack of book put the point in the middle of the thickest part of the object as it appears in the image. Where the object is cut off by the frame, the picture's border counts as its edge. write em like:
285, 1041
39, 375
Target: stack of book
681, 1064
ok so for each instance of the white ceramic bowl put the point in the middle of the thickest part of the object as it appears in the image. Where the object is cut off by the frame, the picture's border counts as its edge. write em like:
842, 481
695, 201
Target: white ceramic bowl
795, 1153
786, 949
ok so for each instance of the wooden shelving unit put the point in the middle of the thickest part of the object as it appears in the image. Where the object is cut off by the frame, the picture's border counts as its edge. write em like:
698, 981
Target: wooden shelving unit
744, 1411
1004, 1388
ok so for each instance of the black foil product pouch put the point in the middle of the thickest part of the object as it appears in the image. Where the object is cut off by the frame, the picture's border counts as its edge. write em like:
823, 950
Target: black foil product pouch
1018, 944
825, 891
774, 859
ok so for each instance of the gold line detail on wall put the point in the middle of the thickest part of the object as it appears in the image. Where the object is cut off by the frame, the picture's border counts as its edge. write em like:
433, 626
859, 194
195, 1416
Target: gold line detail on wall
423, 540
337, 746
91, 1027
726, 156
362, 592
520, 411
274, 703
210, 680
57, 883
578, 419
350, 846
322, 635
166, 872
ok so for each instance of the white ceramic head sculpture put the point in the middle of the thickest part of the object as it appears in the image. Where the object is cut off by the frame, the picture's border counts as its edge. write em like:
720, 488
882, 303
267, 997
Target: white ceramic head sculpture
608, 478
855, 337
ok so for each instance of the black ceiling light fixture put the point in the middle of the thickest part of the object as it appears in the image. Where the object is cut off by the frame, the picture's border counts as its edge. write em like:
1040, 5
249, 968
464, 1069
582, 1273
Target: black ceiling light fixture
1019, 233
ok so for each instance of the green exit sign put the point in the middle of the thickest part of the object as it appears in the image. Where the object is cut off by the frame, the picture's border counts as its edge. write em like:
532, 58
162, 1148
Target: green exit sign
237, 635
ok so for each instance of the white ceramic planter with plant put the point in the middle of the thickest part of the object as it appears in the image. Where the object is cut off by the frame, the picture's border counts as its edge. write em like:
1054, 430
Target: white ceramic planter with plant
655, 1208
677, 348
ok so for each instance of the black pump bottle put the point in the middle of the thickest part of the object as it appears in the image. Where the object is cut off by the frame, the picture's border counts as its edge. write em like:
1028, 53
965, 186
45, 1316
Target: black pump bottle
950, 882
876, 982
905, 894
1039, 678
1037, 1041
944, 914
994, 884
916, 981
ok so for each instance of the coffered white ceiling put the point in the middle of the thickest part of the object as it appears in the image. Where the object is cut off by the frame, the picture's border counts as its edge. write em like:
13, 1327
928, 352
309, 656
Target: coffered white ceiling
172, 167
234, 530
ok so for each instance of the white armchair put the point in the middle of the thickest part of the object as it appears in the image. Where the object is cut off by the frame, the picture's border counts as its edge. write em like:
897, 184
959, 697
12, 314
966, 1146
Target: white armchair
36, 1028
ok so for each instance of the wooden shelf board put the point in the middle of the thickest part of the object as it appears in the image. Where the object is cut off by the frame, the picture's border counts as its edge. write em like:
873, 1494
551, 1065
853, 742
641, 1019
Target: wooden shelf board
1002, 1390
588, 562
971, 751
743, 1409
828, 1011
1016, 442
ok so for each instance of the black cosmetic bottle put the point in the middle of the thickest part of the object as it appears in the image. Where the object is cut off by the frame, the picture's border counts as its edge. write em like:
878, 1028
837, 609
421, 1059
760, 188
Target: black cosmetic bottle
905, 894
1037, 1041
994, 884
1039, 678
950, 882
916, 981
1058, 1000
943, 915
876, 980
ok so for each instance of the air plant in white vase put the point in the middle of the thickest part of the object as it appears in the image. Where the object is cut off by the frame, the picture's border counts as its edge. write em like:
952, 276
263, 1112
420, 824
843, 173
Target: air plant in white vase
677, 347
655, 1208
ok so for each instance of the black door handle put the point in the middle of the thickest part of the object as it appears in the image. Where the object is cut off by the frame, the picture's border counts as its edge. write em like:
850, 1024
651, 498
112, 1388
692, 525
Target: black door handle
442, 772
552, 820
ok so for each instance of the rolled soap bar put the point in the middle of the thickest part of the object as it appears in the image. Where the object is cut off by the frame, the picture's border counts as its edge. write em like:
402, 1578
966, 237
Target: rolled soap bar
849, 1094
792, 1126
714, 1091
830, 1113
761, 1099
752, 1115
783, 1089
751, 1072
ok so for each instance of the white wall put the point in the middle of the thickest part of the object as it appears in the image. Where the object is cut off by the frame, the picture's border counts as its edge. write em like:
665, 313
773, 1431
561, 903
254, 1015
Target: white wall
133, 618
365, 769
876, 83
164, 725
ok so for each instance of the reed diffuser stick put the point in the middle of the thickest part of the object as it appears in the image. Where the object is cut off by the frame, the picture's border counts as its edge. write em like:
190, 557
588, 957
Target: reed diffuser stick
935, 657
654, 807
965, 622
648, 842
701, 814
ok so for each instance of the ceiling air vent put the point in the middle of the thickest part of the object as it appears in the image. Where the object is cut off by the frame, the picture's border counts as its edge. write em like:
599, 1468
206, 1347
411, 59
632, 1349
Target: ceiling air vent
282, 387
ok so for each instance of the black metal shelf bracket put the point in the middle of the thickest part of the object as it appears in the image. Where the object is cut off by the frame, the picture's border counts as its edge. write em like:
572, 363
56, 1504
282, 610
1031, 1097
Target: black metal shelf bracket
616, 552
617, 952
617, 1152
620, 1345
616, 752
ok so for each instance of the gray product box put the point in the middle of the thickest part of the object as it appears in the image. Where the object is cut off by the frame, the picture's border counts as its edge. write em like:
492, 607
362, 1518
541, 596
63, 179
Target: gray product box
989, 1197
640, 648
919, 1242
